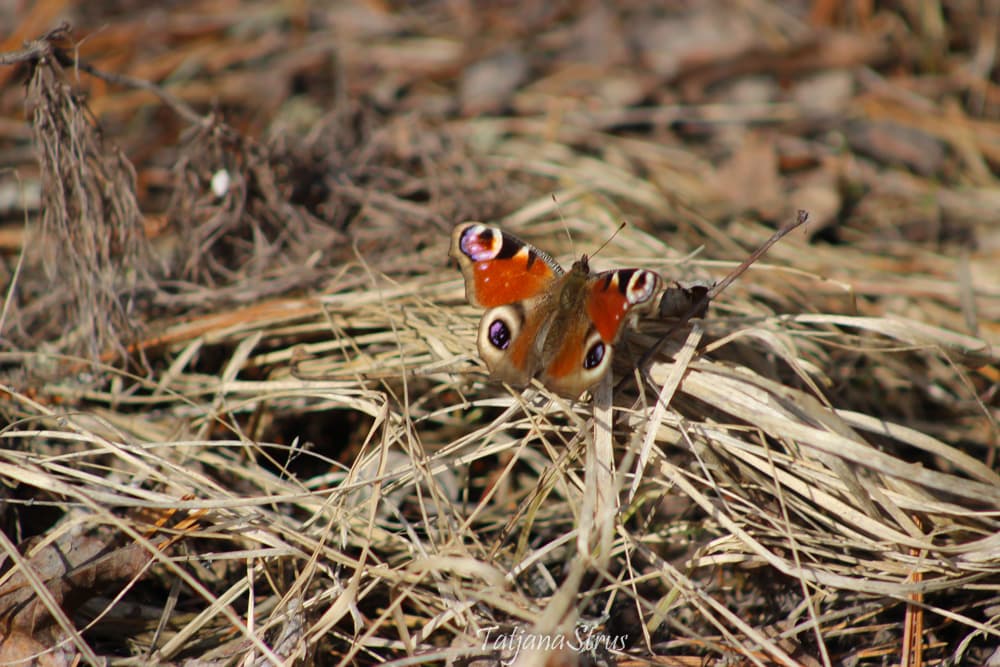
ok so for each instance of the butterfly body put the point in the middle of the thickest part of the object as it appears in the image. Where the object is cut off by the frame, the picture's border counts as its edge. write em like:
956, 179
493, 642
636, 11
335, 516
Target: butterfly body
543, 321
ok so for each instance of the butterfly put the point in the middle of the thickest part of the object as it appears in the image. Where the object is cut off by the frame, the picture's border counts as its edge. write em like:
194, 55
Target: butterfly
542, 321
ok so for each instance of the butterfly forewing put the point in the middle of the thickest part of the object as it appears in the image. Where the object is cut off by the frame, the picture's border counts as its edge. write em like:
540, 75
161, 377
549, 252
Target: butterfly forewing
614, 293
501, 268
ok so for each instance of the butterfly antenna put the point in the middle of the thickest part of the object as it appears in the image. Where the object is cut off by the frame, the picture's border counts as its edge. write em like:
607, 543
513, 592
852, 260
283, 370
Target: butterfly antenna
562, 219
610, 238
569, 235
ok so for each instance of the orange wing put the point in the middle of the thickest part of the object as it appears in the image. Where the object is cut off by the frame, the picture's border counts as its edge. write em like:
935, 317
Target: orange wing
500, 268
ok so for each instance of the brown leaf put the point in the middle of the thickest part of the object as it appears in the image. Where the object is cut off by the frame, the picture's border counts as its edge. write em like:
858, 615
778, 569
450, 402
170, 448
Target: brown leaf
892, 143
489, 84
74, 571
680, 298
46, 649
750, 177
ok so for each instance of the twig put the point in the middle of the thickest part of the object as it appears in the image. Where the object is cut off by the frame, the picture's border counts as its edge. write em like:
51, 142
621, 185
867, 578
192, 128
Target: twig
702, 303
47, 46
180, 107
39, 48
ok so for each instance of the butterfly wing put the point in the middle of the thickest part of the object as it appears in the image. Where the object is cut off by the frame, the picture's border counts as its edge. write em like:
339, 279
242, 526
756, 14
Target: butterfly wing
498, 267
581, 354
515, 281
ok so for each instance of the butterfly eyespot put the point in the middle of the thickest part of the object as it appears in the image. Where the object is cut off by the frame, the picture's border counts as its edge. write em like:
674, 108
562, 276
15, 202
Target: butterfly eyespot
641, 286
595, 355
479, 243
499, 334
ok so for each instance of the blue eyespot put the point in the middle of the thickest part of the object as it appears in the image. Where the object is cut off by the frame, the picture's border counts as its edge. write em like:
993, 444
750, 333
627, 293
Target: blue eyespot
499, 335
595, 355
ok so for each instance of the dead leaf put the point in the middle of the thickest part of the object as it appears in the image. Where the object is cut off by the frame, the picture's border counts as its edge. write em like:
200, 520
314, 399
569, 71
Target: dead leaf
750, 179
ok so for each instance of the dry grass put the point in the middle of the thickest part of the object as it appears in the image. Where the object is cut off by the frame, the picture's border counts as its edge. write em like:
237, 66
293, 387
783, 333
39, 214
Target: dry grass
303, 461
